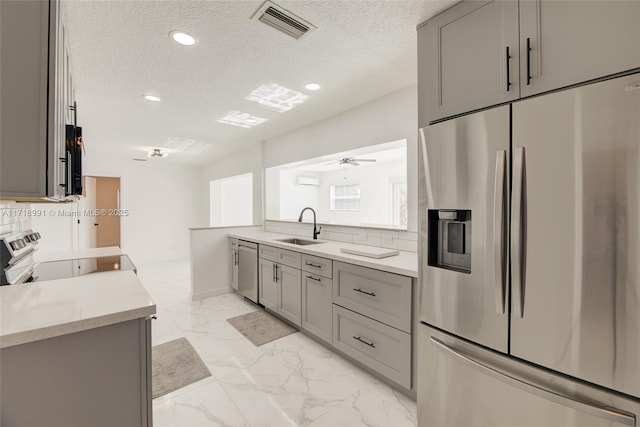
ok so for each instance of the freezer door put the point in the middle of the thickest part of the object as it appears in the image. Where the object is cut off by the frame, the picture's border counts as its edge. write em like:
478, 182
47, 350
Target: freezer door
463, 184
575, 246
461, 384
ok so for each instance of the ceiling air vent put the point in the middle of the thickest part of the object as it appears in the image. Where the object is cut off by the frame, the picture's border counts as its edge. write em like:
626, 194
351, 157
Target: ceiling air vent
283, 20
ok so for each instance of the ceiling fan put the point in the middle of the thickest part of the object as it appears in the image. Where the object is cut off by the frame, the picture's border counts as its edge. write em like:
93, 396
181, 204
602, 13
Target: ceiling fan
352, 161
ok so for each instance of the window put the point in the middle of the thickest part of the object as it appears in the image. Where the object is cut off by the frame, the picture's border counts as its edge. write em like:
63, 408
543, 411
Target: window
344, 197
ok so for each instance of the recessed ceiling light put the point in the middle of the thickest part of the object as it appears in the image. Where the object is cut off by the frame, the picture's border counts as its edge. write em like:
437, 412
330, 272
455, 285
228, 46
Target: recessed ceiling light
243, 120
183, 38
312, 86
152, 98
277, 97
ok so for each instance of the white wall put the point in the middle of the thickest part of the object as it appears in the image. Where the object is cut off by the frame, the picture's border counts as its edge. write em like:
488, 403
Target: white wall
162, 199
231, 201
389, 118
58, 227
294, 197
246, 161
376, 207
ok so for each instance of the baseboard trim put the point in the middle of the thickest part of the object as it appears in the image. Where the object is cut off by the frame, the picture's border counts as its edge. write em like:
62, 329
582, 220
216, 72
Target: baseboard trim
211, 293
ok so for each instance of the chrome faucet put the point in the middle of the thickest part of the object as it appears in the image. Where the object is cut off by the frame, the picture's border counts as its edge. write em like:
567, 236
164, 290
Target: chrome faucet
316, 231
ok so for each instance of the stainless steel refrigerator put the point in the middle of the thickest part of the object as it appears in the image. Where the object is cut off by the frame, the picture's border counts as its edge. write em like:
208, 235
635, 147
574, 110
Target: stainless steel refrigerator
530, 262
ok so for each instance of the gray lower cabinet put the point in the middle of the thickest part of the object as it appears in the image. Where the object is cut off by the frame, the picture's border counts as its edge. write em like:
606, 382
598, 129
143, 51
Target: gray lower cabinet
98, 377
280, 288
289, 293
317, 287
377, 294
268, 286
234, 259
385, 349
316, 305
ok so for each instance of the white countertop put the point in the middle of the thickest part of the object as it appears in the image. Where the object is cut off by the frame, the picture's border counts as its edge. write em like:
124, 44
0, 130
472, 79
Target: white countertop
39, 310
405, 263
81, 253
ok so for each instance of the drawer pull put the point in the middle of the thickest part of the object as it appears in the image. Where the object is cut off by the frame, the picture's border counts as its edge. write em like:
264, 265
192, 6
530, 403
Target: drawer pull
370, 344
313, 265
372, 294
313, 278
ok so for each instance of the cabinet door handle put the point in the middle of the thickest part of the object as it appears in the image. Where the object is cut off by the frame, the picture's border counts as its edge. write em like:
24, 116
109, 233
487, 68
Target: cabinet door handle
372, 294
273, 272
369, 343
508, 70
312, 264
528, 61
313, 278
277, 267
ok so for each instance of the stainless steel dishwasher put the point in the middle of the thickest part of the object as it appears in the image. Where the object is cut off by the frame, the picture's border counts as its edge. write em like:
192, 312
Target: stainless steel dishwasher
248, 270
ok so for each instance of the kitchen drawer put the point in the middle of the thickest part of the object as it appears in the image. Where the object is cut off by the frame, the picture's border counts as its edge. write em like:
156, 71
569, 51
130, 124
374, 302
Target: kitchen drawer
268, 252
377, 294
317, 265
233, 243
380, 347
290, 258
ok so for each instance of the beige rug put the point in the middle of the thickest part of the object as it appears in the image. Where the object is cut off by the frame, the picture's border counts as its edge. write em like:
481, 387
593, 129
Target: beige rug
260, 327
175, 365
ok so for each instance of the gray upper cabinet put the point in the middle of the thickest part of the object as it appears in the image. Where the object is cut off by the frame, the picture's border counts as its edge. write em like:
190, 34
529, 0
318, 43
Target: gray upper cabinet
479, 54
575, 41
33, 84
463, 61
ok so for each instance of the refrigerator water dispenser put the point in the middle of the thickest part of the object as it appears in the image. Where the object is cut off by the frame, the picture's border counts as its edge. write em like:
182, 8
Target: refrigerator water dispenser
450, 239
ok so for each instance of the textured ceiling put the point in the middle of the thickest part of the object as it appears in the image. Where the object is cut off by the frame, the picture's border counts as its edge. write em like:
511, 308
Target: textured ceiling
121, 50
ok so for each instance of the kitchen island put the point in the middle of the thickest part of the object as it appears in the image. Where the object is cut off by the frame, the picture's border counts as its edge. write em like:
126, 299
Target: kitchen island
76, 351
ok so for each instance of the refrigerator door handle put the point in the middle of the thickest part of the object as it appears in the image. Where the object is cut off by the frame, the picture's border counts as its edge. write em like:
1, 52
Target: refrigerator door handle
593, 408
498, 230
518, 230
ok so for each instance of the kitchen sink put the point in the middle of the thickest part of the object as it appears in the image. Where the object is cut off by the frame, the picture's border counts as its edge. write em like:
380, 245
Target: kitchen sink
296, 241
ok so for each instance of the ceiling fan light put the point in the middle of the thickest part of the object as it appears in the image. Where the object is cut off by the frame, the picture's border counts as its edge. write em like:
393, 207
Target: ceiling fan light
156, 152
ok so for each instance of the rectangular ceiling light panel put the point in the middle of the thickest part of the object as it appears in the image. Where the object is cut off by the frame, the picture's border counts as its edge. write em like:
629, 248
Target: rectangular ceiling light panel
282, 20
276, 97
243, 120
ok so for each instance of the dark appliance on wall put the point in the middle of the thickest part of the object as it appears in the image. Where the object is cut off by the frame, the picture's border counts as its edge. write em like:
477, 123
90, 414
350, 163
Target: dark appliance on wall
73, 157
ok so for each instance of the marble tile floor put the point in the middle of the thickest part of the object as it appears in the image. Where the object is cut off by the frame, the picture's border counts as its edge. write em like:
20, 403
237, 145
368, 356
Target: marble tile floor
293, 381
